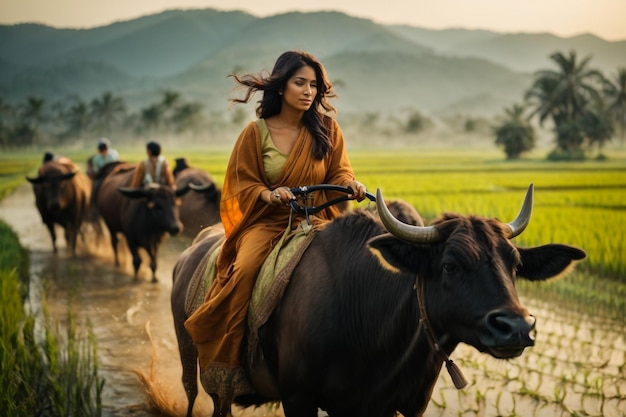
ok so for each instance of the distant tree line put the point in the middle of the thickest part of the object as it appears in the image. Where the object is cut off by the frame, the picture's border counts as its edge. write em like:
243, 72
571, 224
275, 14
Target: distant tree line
35, 121
585, 108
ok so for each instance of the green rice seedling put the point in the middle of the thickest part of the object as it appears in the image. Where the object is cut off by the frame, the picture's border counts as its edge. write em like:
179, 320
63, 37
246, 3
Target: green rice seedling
481, 402
498, 402
559, 394
583, 204
49, 375
441, 402
512, 411
13, 170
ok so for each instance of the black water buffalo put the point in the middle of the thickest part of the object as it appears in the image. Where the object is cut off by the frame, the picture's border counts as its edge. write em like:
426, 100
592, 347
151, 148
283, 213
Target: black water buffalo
200, 207
142, 215
366, 333
62, 194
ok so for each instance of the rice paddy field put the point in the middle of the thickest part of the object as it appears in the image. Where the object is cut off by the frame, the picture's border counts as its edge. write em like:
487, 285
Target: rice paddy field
578, 366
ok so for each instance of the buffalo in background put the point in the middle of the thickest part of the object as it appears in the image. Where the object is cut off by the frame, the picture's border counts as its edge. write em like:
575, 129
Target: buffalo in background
62, 195
142, 215
200, 207
367, 333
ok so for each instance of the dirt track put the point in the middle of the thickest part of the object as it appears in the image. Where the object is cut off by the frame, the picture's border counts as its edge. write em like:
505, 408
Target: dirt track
117, 306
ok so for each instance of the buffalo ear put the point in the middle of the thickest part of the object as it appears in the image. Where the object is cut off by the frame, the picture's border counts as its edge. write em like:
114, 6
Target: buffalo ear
548, 261
37, 180
133, 192
395, 254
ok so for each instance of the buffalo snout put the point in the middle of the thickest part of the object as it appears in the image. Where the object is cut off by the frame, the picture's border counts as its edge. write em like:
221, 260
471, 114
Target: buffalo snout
175, 229
54, 206
507, 334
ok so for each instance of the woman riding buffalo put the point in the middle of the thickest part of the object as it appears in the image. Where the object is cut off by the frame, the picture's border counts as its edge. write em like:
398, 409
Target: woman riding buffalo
294, 142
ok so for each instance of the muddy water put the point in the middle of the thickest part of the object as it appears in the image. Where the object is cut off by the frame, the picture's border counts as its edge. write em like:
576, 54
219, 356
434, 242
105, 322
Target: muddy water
118, 308
577, 365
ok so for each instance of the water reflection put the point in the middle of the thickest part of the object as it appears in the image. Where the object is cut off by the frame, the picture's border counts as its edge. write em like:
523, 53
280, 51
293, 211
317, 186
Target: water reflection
118, 308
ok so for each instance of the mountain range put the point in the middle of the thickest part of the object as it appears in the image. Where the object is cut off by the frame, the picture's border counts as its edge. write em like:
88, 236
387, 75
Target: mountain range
376, 68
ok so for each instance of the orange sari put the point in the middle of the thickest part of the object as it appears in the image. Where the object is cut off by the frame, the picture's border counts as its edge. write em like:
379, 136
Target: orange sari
252, 229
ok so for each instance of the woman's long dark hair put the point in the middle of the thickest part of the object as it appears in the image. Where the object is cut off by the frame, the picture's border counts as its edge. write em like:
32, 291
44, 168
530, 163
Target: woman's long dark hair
286, 65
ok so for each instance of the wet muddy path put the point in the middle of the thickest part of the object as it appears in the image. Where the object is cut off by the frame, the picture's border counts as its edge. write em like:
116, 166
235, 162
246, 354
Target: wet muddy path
117, 307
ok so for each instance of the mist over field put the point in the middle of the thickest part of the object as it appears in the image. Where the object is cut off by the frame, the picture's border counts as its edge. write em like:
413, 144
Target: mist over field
376, 68
165, 76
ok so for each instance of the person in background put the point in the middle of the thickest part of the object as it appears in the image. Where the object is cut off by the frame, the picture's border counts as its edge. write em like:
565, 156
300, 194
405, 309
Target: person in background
105, 155
49, 156
153, 169
63, 160
294, 142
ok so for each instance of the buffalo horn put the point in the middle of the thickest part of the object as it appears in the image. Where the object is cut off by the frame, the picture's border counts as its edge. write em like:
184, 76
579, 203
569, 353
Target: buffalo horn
182, 190
68, 176
133, 192
518, 225
48, 179
202, 187
407, 232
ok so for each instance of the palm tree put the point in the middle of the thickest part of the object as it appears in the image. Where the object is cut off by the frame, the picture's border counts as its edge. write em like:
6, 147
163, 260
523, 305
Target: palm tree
515, 134
170, 100
170, 103
615, 93
7, 119
564, 95
597, 125
187, 117
77, 119
30, 116
107, 111
417, 122
151, 118
33, 111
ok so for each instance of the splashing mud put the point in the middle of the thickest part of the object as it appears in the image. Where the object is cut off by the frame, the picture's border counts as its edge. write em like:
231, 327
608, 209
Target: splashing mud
117, 308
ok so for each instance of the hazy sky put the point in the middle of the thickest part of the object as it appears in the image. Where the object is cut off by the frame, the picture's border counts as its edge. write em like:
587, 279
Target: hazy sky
604, 18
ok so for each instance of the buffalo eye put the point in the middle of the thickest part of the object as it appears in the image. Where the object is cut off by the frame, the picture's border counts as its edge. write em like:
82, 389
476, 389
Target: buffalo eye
449, 268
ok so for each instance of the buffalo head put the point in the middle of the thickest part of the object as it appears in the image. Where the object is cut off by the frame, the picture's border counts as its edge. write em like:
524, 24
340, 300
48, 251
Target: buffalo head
50, 190
158, 205
468, 267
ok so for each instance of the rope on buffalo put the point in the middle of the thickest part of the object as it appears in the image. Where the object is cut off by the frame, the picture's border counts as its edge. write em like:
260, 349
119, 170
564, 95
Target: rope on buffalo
455, 372
458, 379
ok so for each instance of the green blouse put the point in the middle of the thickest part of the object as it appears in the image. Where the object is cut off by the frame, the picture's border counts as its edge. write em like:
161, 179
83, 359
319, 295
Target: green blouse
273, 159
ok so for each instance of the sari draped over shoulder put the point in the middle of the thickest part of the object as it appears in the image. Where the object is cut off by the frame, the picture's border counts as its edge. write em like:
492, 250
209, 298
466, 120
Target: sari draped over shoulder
252, 226
245, 179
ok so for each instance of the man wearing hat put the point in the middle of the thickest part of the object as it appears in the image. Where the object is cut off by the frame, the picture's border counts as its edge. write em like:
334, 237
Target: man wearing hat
105, 155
